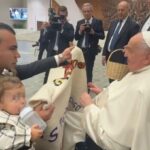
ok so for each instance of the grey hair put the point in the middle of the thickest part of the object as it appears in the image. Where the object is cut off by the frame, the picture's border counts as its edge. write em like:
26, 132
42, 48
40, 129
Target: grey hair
87, 4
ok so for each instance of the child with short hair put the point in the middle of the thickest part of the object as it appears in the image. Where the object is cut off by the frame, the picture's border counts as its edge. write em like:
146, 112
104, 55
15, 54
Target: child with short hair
14, 134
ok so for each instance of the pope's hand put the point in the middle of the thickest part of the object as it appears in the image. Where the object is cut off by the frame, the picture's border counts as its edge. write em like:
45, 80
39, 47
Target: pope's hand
94, 88
86, 99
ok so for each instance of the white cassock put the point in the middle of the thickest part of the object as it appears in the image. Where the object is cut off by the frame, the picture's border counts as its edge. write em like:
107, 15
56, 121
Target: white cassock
120, 117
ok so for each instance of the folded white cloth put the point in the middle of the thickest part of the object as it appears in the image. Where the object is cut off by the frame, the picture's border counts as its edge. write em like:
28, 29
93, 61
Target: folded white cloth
64, 88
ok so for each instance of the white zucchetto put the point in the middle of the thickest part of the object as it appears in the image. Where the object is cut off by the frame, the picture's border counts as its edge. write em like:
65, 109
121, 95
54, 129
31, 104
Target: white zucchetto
146, 37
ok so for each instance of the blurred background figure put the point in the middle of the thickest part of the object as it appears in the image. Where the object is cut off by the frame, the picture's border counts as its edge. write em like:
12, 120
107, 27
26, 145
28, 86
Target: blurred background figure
43, 40
88, 32
60, 33
119, 33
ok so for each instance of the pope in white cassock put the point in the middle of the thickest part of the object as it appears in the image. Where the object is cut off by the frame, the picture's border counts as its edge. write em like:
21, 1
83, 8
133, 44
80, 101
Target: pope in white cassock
119, 116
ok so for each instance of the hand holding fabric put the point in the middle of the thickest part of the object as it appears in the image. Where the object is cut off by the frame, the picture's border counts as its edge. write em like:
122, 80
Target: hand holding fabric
94, 88
103, 60
86, 99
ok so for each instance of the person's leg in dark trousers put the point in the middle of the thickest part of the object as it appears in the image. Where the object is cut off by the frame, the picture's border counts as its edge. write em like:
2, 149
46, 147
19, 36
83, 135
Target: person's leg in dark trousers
40, 53
46, 76
85, 54
89, 65
41, 50
87, 145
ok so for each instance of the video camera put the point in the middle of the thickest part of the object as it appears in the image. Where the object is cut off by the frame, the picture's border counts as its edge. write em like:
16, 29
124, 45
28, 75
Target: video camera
55, 20
87, 27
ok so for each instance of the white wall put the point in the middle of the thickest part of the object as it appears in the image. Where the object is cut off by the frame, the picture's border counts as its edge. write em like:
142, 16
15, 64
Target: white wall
74, 13
4, 9
37, 11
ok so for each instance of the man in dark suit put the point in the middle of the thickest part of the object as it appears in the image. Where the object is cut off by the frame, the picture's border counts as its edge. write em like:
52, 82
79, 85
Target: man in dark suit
43, 40
146, 25
60, 34
9, 55
88, 32
118, 37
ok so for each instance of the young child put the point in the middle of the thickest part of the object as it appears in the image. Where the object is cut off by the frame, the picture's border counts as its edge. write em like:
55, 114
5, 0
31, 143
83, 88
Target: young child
14, 134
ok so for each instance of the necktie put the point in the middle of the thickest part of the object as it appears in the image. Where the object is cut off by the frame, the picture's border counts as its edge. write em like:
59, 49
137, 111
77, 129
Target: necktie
115, 36
87, 37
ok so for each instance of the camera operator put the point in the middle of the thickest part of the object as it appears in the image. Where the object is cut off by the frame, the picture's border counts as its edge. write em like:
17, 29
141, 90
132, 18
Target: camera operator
43, 39
88, 32
60, 33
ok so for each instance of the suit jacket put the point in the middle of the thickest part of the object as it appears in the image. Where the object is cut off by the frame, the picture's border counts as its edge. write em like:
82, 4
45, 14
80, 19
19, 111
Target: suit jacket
129, 29
65, 37
97, 26
34, 68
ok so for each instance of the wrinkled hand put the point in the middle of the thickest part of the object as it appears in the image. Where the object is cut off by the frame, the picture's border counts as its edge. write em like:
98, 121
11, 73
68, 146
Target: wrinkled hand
66, 54
45, 111
36, 132
85, 99
103, 60
94, 88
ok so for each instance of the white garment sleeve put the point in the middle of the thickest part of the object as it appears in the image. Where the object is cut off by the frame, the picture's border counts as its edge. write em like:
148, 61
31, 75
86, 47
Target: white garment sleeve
57, 60
92, 125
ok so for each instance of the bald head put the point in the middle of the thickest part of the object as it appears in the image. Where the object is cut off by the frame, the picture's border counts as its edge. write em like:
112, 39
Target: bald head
123, 9
124, 4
